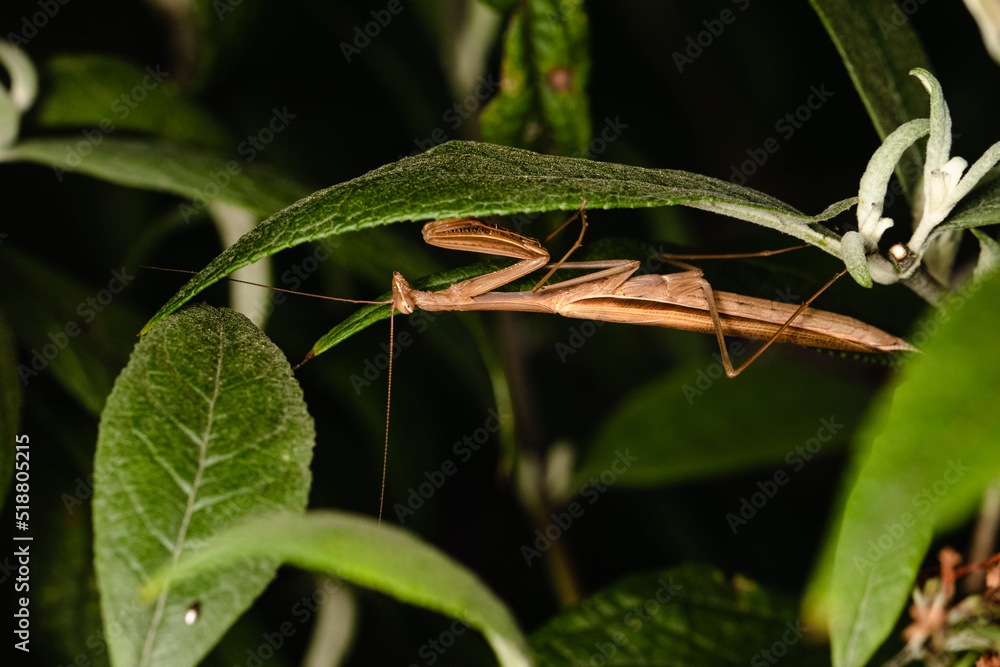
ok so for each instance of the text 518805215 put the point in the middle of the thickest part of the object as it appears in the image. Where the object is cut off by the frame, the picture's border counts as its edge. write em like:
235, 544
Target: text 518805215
22, 555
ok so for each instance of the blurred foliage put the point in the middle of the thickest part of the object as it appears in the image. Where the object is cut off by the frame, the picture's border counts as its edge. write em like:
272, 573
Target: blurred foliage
135, 130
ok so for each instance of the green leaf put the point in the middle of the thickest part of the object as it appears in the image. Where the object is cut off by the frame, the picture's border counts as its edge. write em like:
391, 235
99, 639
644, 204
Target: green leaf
111, 95
732, 428
11, 397
980, 209
989, 255
879, 47
855, 247
542, 102
21, 94
979, 170
205, 426
462, 178
558, 35
23, 77
382, 557
365, 317
875, 181
931, 457
688, 615
500, 5
939, 141
223, 32
195, 174
10, 119
511, 118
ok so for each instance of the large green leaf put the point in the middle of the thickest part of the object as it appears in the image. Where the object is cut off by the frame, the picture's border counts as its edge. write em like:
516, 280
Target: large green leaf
511, 117
11, 396
558, 31
382, 557
542, 101
205, 426
462, 178
193, 173
688, 615
776, 415
932, 455
108, 93
879, 47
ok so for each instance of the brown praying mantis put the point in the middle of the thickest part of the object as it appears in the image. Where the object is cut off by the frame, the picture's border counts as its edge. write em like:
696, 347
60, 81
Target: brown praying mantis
613, 293
683, 300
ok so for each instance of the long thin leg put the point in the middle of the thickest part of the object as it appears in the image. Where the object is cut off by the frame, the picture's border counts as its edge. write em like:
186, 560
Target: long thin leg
735, 255
388, 402
710, 296
713, 309
582, 214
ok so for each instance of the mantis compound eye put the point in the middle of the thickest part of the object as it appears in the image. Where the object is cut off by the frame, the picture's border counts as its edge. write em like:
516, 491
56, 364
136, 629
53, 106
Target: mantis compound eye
402, 294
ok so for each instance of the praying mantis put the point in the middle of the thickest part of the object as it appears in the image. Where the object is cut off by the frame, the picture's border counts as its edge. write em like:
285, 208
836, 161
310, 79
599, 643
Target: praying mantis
683, 300
613, 293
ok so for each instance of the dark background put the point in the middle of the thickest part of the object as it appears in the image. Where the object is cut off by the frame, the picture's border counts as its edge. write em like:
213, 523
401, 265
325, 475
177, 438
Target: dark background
353, 117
